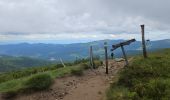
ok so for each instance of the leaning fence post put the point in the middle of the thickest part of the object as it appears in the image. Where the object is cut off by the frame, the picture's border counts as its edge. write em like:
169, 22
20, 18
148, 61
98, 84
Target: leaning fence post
124, 54
121, 44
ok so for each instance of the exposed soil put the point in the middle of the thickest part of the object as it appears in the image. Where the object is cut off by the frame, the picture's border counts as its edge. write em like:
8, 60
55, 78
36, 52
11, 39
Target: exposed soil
91, 86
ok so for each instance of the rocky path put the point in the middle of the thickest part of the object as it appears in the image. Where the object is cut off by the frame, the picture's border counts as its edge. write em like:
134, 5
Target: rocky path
95, 85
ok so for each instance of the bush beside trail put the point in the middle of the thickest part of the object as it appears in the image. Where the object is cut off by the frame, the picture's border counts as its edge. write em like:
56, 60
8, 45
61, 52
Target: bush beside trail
77, 72
38, 82
85, 66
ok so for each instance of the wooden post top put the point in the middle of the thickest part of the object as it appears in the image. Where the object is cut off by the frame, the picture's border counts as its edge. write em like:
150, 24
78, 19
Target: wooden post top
142, 25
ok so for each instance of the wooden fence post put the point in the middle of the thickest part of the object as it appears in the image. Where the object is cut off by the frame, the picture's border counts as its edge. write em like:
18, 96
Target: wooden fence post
124, 54
143, 41
91, 57
106, 57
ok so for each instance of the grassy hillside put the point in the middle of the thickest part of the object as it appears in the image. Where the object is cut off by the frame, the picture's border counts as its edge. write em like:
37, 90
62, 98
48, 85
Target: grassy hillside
10, 63
144, 79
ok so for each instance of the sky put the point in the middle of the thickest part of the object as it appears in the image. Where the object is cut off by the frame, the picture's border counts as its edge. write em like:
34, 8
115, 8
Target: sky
72, 21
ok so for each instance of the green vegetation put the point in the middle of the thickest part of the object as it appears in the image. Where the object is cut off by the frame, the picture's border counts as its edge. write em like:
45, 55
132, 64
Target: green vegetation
10, 63
26, 72
144, 79
34, 70
97, 63
15, 85
85, 65
77, 72
38, 82
37, 79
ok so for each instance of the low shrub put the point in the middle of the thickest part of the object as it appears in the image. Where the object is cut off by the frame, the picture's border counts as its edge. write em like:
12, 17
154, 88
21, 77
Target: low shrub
59, 65
97, 63
85, 65
77, 72
78, 61
38, 82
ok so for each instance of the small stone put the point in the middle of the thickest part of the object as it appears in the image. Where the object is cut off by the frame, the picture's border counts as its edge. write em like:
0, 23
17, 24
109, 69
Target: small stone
99, 92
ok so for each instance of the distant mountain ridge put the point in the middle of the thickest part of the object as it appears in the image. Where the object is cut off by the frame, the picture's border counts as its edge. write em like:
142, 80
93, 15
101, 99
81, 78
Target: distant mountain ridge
70, 52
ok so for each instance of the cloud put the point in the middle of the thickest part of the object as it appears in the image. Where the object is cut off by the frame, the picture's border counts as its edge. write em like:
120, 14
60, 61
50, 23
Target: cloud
36, 19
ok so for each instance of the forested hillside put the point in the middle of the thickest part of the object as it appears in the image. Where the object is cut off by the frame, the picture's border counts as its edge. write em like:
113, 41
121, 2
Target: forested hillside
9, 63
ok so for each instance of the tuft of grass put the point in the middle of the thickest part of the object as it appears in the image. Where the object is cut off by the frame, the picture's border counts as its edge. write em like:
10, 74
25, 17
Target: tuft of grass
77, 72
85, 66
38, 82
98, 63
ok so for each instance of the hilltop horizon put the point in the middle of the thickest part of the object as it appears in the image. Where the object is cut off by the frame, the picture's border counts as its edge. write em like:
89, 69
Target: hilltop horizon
67, 43
69, 52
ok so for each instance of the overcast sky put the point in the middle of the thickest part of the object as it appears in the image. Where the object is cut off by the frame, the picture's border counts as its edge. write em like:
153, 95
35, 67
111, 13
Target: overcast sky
67, 21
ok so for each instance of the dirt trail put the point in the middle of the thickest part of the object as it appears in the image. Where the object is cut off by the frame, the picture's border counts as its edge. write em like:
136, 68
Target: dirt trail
91, 86
94, 88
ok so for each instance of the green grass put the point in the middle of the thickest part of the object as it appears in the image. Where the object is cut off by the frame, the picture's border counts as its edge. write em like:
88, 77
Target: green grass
12, 85
77, 72
120, 93
26, 72
29, 71
38, 82
144, 79
19, 84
